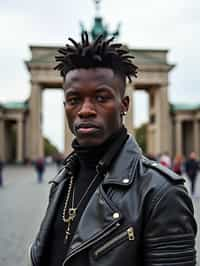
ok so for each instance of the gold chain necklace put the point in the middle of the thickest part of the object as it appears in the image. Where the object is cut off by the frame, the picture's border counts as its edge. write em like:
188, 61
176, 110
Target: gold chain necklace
68, 216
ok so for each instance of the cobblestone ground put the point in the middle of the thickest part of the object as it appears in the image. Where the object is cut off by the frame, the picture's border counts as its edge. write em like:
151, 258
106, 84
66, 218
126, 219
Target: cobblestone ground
23, 202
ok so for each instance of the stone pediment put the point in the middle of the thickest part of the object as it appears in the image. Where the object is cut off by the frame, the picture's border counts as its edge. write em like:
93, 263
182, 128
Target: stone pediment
46, 55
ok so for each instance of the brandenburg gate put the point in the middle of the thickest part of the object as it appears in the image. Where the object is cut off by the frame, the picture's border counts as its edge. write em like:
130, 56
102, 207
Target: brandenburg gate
152, 78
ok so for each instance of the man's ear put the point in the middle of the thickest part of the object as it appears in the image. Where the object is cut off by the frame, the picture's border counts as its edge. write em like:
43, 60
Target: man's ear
125, 104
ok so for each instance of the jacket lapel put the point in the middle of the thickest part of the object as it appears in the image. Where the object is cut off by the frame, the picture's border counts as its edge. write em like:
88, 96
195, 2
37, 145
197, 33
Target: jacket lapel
99, 218
122, 172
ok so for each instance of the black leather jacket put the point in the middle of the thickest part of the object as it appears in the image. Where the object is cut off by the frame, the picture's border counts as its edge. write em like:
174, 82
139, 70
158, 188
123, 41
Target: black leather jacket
140, 215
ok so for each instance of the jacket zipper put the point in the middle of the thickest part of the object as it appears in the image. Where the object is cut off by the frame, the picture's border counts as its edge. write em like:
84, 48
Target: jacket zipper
130, 236
91, 242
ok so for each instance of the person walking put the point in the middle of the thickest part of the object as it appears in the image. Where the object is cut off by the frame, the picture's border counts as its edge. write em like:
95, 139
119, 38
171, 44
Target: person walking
58, 159
191, 169
40, 168
165, 160
177, 166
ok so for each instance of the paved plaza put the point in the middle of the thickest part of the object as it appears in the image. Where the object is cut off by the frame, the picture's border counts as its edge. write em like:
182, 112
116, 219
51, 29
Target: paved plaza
23, 202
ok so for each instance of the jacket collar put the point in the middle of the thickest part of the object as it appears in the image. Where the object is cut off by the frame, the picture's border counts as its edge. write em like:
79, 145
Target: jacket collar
122, 172
69, 164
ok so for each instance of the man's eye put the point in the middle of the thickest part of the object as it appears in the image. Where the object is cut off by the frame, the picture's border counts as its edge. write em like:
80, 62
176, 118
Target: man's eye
73, 100
101, 98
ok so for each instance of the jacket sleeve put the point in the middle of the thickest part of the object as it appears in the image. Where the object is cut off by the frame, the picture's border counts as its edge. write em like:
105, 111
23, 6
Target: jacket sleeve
35, 249
169, 235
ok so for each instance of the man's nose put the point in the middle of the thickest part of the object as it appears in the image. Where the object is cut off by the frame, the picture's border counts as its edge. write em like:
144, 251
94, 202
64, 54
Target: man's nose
87, 109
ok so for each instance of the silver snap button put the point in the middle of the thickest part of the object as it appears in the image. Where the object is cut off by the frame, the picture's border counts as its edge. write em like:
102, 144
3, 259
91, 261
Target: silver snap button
115, 215
125, 181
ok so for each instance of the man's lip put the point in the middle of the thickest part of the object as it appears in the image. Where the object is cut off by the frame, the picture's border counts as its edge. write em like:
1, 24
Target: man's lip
86, 125
87, 130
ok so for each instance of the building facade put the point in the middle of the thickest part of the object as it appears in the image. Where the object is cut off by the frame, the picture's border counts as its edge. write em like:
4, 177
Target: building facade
185, 120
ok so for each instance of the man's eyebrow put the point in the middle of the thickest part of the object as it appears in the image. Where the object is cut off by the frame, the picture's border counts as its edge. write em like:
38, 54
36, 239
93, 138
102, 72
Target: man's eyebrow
70, 92
73, 79
103, 88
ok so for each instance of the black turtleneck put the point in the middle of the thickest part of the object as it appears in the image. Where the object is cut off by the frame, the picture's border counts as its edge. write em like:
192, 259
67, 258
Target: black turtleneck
88, 158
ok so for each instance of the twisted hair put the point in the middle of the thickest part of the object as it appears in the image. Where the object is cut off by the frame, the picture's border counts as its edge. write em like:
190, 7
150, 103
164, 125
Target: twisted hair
100, 53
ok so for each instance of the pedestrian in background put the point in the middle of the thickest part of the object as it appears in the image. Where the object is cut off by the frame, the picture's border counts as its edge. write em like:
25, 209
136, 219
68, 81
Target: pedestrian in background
191, 168
40, 168
58, 158
177, 166
165, 160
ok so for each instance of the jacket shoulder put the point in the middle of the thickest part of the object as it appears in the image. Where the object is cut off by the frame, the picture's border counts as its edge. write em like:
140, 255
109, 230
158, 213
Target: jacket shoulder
164, 171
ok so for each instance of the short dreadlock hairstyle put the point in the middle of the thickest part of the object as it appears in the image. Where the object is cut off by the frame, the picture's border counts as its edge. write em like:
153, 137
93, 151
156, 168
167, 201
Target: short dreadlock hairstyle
100, 53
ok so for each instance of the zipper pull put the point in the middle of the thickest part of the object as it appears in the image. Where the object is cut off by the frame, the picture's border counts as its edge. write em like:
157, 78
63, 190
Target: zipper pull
131, 235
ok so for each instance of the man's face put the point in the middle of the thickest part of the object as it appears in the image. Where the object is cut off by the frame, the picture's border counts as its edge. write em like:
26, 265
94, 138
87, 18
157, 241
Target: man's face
93, 104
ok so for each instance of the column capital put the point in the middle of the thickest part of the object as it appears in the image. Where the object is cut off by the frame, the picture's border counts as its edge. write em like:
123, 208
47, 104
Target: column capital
164, 84
35, 83
178, 119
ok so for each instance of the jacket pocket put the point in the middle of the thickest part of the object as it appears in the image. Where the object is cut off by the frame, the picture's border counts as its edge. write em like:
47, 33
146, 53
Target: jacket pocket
125, 235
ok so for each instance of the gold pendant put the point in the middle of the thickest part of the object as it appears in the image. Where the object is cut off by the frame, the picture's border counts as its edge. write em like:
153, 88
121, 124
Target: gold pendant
72, 215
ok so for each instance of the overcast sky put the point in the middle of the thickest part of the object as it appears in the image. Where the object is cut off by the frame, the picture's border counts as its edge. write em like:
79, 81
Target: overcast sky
172, 24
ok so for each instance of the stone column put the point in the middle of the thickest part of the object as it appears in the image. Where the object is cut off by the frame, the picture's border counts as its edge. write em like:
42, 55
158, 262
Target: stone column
128, 119
151, 129
68, 137
35, 133
20, 138
2, 139
162, 120
196, 137
27, 131
179, 140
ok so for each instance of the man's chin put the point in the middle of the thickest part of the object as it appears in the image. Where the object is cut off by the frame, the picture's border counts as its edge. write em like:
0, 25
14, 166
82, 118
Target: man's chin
89, 142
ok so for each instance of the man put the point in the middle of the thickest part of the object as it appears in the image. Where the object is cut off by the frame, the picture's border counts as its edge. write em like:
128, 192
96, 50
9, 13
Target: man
109, 205
192, 168
165, 160
40, 168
